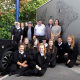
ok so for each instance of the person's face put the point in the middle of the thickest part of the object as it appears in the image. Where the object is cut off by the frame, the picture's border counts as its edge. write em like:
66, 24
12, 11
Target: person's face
36, 42
59, 40
56, 22
50, 21
40, 22
29, 25
50, 43
52, 37
15, 23
34, 37
44, 41
69, 40
26, 41
41, 49
21, 48
22, 25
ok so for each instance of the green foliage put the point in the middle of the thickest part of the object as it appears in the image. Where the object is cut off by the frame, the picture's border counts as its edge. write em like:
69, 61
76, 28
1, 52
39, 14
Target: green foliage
29, 13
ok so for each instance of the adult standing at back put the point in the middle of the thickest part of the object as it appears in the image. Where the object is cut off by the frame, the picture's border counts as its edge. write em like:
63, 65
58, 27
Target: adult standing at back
39, 30
48, 29
29, 31
56, 29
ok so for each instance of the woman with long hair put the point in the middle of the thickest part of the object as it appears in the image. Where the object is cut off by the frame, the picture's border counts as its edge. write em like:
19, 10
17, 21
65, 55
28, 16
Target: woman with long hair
70, 51
27, 45
52, 50
34, 47
39, 64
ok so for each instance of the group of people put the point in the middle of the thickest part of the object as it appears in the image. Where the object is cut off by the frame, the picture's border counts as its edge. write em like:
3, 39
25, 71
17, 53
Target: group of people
40, 47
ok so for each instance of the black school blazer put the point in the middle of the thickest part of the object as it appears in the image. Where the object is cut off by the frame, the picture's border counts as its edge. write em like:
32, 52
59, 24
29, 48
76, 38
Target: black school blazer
38, 60
25, 32
17, 57
72, 53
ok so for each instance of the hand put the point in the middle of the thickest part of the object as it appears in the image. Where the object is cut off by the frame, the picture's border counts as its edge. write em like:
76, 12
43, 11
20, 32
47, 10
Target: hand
39, 68
57, 56
24, 65
68, 61
24, 62
20, 41
49, 63
20, 66
66, 54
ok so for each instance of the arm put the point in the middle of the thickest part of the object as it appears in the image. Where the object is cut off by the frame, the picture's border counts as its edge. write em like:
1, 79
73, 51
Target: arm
54, 55
12, 37
74, 53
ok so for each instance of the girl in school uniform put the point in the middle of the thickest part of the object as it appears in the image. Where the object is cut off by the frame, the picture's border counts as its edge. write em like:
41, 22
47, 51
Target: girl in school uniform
20, 61
52, 50
17, 34
70, 51
39, 64
53, 37
26, 45
34, 47
61, 50
22, 27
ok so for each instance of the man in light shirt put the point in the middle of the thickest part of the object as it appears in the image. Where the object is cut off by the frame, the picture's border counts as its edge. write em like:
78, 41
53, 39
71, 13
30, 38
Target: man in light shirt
39, 30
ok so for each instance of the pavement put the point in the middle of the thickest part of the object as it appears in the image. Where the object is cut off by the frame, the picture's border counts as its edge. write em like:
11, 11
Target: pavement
60, 72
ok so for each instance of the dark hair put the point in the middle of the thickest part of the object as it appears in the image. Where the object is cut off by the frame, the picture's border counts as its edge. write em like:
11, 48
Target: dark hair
39, 20
43, 38
32, 44
58, 21
60, 37
20, 44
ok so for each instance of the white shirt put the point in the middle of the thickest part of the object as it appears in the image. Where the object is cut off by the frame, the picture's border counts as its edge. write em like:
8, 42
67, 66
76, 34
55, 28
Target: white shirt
42, 54
45, 44
69, 44
21, 52
39, 30
60, 44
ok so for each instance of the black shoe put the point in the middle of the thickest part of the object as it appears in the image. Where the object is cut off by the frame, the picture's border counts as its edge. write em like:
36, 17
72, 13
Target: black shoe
2, 73
17, 75
10, 74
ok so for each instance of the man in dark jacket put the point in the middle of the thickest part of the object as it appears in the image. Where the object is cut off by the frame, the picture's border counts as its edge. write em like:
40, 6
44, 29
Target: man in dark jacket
48, 29
29, 31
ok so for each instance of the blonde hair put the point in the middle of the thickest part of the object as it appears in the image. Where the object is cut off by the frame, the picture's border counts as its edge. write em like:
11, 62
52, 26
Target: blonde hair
53, 35
73, 42
44, 48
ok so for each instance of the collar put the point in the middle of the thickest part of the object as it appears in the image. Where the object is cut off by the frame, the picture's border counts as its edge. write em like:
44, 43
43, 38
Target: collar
69, 44
60, 44
34, 46
18, 28
50, 48
21, 52
41, 54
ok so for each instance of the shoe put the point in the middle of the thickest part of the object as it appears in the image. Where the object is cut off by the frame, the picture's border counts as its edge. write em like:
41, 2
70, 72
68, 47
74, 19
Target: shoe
17, 75
10, 74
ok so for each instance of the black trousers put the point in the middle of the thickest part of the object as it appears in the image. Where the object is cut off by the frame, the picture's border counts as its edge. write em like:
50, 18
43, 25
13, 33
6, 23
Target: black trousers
40, 38
15, 69
60, 59
53, 63
17, 40
72, 62
33, 72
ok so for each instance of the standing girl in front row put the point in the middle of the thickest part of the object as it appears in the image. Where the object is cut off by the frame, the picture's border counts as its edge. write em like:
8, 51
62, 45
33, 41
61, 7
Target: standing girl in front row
70, 51
52, 53
39, 64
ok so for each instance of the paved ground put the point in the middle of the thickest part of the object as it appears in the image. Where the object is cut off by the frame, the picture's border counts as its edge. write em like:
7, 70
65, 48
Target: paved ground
60, 72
